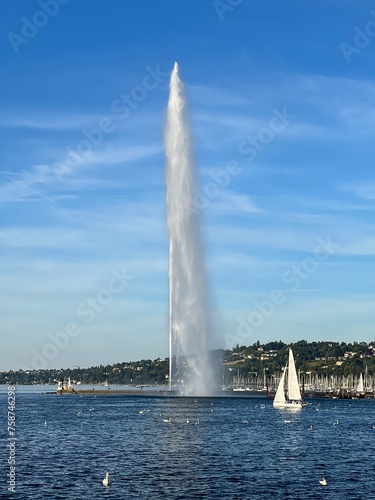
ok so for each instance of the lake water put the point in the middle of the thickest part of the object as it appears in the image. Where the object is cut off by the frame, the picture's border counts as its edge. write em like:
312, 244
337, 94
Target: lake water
242, 448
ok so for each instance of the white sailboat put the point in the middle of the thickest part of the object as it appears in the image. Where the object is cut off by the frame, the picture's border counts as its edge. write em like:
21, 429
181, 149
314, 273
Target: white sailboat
360, 388
294, 398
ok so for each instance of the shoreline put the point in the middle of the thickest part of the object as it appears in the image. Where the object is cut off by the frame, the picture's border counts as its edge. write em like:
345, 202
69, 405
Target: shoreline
157, 393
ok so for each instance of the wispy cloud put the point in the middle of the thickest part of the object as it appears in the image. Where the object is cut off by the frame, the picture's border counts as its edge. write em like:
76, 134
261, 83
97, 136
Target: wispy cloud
365, 190
361, 246
45, 121
327, 108
230, 202
41, 181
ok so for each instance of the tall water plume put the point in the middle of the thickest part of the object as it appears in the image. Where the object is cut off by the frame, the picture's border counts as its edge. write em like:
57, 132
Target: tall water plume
189, 325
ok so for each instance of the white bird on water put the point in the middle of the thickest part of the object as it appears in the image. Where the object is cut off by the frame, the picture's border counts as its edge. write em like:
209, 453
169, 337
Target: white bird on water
310, 428
323, 481
167, 420
106, 479
187, 421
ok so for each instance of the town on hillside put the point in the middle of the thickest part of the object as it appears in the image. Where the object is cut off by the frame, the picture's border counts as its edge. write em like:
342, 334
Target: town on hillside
322, 367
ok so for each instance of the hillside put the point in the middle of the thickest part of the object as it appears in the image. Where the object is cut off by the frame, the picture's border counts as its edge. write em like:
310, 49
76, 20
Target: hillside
239, 363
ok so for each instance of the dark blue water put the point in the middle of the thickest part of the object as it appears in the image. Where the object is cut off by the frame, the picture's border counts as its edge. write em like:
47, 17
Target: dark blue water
272, 456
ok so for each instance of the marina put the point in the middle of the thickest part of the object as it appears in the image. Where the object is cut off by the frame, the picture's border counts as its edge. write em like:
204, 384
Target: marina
228, 391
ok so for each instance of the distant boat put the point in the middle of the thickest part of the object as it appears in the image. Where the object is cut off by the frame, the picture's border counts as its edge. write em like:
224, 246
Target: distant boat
292, 398
65, 387
359, 390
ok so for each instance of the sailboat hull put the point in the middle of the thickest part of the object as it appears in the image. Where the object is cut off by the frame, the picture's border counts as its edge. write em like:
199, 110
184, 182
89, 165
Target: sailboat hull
292, 405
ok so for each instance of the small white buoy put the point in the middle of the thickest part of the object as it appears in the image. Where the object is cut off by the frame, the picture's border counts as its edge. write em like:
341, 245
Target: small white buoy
323, 481
106, 479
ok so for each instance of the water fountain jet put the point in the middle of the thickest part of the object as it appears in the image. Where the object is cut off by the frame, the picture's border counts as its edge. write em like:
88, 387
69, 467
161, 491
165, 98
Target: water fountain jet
189, 323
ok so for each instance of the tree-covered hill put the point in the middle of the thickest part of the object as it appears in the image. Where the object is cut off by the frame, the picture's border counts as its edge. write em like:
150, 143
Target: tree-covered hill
241, 362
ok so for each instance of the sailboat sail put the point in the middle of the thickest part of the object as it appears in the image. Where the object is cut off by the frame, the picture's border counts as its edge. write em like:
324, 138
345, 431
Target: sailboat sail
294, 393
280, 393
294, 400
360, 384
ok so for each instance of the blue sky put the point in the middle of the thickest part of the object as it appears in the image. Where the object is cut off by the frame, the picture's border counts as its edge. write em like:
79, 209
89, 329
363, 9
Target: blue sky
73, 222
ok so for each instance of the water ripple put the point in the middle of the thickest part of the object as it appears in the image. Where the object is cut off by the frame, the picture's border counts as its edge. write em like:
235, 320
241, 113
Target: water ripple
199, 454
